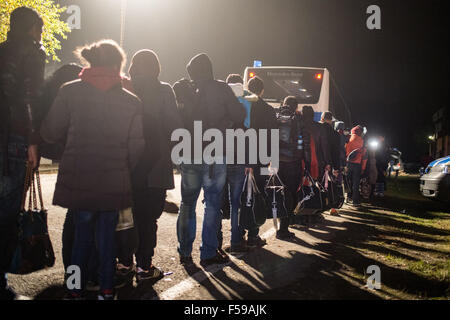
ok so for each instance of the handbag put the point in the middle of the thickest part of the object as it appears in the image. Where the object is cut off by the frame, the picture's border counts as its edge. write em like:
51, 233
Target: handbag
254, 207
277, 192
34, 250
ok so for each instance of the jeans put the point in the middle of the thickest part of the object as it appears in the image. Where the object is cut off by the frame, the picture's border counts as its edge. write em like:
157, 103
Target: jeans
194, 177
235, 182
95, 229
290, 174
11, 191
147, 208
68, 238
354, 172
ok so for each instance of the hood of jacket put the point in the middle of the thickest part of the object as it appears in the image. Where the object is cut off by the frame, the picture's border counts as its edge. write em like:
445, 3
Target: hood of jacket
101, 77
358, 130
200, 68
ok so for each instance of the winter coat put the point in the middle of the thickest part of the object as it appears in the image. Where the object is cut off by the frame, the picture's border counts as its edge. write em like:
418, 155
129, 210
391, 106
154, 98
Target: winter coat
223, 109
103, 124
160, 119
263, 116
333, 142
355, 143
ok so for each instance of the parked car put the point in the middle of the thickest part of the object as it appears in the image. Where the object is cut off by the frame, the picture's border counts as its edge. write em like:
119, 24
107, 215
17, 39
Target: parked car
435, 181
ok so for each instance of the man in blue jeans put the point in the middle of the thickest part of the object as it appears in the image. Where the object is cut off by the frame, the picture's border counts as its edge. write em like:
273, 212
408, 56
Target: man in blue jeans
213, 104
193, 178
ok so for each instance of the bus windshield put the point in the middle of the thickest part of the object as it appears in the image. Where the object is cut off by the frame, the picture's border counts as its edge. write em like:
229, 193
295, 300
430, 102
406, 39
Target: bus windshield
305, 84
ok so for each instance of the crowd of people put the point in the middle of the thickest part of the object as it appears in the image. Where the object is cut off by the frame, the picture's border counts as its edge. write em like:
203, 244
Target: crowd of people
112, 136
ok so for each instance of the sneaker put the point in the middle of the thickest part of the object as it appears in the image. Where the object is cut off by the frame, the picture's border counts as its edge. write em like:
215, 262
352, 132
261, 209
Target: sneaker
72, 296
186, 260
8, 293
151, 274
283, 235
124, 271
217, 259
106, 296
256, 242
236, 249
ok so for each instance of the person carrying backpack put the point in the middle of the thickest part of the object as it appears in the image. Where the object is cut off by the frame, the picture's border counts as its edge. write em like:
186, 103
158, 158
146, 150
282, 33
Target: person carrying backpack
214, 104
290, 171
22, 63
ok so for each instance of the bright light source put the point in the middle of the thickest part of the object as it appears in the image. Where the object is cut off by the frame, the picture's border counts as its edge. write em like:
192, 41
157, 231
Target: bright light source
251, 74
373, 144
431, 138
318, 76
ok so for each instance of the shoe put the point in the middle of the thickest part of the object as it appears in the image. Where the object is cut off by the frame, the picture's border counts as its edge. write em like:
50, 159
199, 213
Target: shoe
92, 286
283, 235
8, 293
217, 259
124, 271
151, 274
124, 275
72, 296
106, 296
256, 242
240, 248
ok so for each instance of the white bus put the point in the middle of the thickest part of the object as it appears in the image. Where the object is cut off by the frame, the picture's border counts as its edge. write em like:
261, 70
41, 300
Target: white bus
311, 86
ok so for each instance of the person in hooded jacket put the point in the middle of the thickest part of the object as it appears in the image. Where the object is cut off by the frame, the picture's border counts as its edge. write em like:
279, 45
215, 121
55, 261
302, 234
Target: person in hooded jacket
355, 164
236, 171
153, 175
290, 171
22, 63
318, 157
103, 125
216, 107
262, 116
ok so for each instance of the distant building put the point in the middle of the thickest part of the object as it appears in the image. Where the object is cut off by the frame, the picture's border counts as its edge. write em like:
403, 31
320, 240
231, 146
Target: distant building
440, 147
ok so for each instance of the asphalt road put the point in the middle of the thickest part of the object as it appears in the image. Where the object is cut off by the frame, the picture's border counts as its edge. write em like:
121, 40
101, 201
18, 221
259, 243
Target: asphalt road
277, 264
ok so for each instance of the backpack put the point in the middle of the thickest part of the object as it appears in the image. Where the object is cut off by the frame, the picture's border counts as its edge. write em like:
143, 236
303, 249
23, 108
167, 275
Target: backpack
288, 135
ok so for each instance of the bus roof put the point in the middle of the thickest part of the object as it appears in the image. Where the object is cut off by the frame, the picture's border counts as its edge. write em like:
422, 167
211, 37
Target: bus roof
286, 67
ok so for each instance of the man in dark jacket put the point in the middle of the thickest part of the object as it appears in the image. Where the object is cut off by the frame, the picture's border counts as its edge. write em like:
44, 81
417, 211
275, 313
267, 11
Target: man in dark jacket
216, 107
318, 157
22, 62
153, 175
262, 116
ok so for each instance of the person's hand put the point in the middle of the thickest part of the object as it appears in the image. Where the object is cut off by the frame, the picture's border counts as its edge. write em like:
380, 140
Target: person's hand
273, 170
33, 156
248, 170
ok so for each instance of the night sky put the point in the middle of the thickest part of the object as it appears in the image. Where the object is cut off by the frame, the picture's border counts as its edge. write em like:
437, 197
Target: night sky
392, 79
